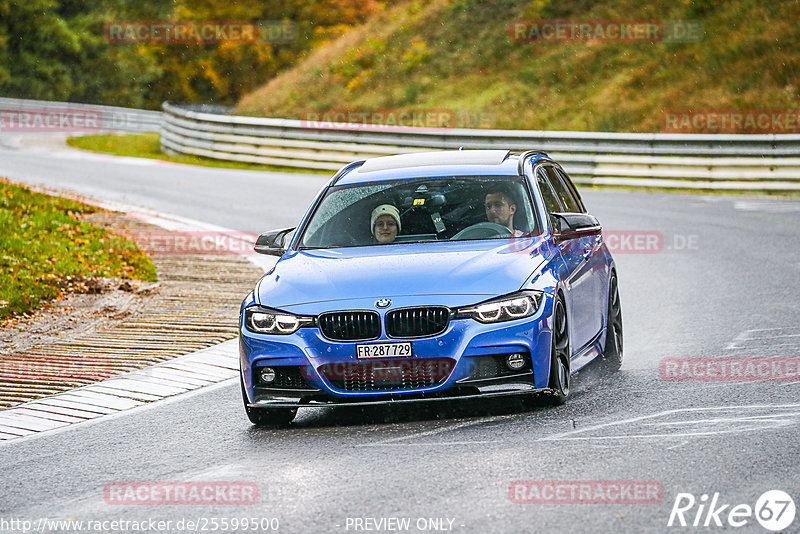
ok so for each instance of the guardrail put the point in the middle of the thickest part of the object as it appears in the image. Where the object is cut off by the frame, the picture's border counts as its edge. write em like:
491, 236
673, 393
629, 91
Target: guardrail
766, 162
111, 118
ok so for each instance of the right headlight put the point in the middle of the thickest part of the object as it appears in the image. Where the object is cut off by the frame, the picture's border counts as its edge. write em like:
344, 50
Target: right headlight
507, 308
267, 321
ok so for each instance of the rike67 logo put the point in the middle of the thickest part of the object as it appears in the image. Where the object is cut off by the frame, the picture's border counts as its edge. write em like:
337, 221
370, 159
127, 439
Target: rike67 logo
774, 510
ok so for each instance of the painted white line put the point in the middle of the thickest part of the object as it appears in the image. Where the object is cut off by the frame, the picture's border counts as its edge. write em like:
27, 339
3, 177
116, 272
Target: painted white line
686, 422
15, 431
191, 371
57, 400
167, 373
49, 415
163, 387
215, 361
139, 384
239, 241
202, 369
740, 423
101, 399
121, 393
4, 442
32, 422
448, 428
48, 408
27, 422
762, 333
678, 445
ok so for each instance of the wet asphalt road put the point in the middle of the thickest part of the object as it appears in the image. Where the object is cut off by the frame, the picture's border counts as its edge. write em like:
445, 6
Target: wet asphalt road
723, 283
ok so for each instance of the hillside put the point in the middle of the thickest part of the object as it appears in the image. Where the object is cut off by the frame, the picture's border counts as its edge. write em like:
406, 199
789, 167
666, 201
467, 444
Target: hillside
458, 55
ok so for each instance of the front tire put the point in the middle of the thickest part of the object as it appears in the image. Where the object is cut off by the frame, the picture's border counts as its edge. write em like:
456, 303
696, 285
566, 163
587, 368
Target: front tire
559, 356
272, 417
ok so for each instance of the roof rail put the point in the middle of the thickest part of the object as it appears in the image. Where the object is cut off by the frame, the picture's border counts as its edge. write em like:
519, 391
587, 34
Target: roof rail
346, 169
524, 155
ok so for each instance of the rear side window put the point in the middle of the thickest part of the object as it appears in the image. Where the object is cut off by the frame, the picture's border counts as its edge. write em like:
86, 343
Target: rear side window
551, 202
568, 199
571, 188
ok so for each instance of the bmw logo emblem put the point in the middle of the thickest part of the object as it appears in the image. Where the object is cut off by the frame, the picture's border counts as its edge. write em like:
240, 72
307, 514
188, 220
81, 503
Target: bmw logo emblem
383, 303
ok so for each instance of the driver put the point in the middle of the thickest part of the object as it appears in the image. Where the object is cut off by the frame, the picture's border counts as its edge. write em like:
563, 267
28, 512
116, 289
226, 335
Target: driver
500, 208
385, 223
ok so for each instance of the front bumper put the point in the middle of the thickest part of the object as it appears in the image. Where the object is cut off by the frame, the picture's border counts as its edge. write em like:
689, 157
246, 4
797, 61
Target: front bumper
518, 384
464, 343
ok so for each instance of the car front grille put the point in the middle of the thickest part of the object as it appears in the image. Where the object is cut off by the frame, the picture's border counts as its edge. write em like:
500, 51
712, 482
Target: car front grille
417, 322
388, 375
350, 325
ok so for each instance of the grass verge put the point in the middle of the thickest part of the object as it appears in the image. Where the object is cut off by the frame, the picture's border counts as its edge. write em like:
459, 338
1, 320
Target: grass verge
148, 145
45, 251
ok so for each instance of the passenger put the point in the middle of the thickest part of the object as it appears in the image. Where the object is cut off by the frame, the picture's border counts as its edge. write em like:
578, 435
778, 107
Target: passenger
500, 209
385, 223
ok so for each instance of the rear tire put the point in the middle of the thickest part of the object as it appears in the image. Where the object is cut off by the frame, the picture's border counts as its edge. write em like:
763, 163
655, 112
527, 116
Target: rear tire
559, 356
612, 352
272, 417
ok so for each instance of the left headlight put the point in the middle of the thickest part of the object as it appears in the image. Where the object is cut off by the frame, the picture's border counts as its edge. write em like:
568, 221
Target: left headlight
506, 308
268, 321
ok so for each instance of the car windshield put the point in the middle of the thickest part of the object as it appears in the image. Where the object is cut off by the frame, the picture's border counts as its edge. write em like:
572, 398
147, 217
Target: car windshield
422, 210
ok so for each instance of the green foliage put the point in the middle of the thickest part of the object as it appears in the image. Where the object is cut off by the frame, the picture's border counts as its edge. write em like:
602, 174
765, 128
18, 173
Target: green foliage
57, 50
45, 251
458, 55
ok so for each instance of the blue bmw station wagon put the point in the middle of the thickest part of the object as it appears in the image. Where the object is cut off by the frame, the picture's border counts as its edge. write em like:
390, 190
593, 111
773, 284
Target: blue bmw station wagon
431, 276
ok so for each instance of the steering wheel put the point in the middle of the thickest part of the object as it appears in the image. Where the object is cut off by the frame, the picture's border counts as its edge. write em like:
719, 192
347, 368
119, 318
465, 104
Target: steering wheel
483, 230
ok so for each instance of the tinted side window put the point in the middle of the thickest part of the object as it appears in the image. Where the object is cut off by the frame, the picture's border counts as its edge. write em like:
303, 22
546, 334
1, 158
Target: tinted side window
551, 203
571, 204
571, 188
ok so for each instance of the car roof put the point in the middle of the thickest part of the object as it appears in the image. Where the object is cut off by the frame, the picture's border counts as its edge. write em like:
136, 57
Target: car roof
431, 164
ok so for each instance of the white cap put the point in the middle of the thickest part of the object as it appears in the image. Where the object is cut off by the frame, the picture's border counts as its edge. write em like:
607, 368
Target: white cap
384, 209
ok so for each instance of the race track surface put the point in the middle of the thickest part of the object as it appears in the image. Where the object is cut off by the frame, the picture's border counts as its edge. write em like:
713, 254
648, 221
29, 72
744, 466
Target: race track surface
723, 283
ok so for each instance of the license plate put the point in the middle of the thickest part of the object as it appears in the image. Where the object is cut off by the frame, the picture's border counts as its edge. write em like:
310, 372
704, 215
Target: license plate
383, 350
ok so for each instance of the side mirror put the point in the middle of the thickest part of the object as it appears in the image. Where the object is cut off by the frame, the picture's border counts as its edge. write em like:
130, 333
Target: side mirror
574, 225
272, 242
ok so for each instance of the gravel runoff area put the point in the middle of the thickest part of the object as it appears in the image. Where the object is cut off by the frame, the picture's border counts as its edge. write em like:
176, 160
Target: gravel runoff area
129, 325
